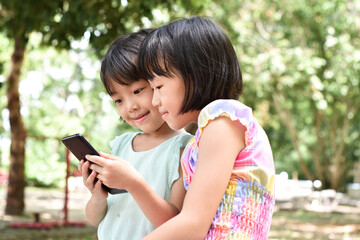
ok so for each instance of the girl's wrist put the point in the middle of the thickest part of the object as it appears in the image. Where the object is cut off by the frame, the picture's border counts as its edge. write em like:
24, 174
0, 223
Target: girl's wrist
135, 183
98, 199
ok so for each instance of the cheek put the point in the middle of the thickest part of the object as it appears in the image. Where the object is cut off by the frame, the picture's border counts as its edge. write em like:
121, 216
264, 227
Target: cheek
147, 97
122, 112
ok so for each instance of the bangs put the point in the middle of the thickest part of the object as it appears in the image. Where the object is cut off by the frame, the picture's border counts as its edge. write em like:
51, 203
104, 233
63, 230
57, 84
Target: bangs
155, 55
122, 72
121, 69
111, 86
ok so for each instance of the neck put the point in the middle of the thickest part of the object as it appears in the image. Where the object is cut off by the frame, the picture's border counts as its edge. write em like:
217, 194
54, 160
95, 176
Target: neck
163, 132
147, 141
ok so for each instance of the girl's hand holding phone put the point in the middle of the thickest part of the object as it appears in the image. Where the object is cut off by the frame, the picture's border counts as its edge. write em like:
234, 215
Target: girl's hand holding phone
113, 171
90, 180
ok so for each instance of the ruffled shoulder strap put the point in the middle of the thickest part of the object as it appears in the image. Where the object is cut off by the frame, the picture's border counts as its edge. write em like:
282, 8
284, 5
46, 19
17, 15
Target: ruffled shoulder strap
233, 109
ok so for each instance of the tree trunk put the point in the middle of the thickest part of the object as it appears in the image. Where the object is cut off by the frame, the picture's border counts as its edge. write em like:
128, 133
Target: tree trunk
288, 122
15, 194
338, 160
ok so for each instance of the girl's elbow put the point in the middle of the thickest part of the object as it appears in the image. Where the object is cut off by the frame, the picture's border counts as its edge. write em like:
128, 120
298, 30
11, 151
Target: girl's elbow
201, 233
198, 234
198, 228
166, 218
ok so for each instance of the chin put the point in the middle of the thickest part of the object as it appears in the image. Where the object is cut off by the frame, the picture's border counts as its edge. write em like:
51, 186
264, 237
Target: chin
174, 126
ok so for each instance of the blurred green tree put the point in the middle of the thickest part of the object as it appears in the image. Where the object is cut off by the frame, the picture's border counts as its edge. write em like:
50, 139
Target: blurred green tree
60, 22
300, 62
301, 70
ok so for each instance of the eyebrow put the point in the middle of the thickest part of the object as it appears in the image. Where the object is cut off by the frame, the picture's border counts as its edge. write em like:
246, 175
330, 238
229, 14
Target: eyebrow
111, 93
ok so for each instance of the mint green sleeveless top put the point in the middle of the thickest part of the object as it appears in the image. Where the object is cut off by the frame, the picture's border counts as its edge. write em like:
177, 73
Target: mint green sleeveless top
159, 166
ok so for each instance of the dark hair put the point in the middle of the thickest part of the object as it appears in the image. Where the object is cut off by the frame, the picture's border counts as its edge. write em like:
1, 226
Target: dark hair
120, 61
197, 50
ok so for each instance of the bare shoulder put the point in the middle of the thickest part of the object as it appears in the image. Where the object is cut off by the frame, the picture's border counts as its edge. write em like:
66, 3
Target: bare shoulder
224, 130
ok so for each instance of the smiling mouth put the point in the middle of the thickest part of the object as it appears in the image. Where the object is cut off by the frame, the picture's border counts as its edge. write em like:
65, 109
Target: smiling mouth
141, 118
164, 114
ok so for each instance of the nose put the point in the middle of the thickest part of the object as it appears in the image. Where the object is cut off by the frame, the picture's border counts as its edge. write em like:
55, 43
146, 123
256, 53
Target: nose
132, 106
155, 99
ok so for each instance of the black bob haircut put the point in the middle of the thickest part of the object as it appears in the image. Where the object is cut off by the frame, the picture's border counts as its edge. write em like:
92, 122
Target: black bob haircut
198, 51
120, 61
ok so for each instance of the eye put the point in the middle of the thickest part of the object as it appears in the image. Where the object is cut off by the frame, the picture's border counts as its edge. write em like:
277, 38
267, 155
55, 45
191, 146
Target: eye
158, 87
137, 91
118, 101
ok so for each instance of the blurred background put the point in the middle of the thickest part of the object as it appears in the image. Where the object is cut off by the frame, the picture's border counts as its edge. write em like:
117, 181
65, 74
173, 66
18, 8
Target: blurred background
300, 61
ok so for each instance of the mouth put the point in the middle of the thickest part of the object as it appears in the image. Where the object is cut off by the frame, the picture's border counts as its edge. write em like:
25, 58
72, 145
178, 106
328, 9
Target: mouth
164, 114
141, 117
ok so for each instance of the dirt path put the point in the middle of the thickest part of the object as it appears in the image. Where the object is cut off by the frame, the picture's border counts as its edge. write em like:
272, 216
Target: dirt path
287, 223
343, 224
49, 204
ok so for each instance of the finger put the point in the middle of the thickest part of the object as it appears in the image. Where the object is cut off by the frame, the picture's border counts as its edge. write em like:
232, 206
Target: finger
108, 156
96, 168
92, 176
98, 185
100, 177
91, 179
96, 159
85, 168
80, 165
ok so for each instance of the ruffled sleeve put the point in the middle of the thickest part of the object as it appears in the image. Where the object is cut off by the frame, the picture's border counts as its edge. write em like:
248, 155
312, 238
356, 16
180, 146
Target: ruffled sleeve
257, 152
233, 109
247, 204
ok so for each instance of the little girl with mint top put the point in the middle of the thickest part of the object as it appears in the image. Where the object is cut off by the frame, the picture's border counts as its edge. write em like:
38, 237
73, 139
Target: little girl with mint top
146, 163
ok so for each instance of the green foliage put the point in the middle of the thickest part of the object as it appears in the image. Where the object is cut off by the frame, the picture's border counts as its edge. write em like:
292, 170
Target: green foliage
61, 93
45, 165
66, 97
19, 17
300, 62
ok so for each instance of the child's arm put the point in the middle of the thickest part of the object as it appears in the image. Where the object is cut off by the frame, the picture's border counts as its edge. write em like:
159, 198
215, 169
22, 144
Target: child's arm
178, 190
118, 173
220, 143
97, 204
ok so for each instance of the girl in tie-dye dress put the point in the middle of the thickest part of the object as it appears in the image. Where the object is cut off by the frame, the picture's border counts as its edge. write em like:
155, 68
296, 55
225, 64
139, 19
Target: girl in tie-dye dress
228, 167
246, 207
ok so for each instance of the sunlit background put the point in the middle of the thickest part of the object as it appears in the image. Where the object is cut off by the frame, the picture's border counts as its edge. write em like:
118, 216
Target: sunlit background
301, 68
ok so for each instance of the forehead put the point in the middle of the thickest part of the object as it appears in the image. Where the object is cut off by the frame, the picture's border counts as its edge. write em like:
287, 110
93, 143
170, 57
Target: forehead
170, 82
118, 88
158, 79
151, 82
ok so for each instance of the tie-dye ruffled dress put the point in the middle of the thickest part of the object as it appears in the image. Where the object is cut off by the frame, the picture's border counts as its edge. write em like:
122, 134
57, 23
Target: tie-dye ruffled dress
246, 208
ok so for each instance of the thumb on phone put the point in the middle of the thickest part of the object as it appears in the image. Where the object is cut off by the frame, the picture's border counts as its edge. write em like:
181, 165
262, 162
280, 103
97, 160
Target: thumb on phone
95, 159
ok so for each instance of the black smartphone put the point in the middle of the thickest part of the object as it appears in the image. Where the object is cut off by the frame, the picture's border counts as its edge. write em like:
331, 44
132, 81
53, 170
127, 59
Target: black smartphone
79, 146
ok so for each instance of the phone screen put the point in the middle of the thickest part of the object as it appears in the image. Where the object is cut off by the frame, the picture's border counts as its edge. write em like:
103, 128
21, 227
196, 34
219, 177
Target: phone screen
79, 146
